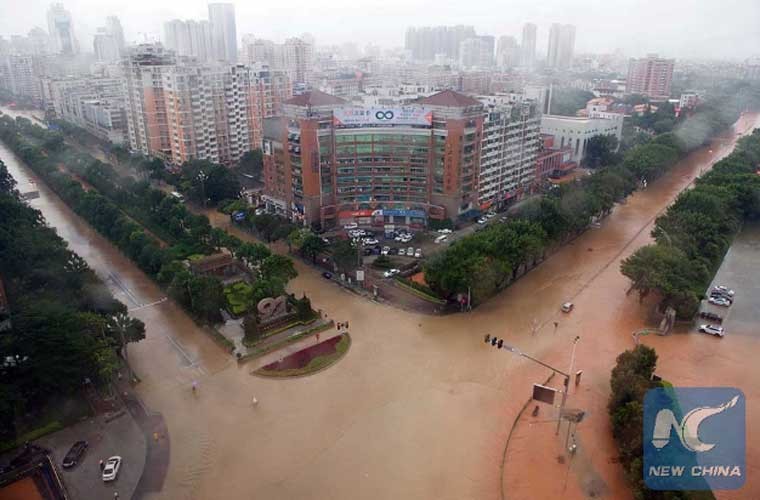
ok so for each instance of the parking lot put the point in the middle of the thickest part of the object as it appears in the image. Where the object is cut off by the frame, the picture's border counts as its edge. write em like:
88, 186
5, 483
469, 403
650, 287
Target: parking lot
120, 436
743, 316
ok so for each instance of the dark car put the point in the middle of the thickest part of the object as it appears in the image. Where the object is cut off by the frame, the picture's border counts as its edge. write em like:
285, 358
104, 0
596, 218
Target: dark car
711, 316
75, 454
327, 276
393, 251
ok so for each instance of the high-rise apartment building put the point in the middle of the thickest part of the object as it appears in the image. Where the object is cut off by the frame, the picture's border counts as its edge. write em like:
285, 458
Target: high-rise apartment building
106, 46
328, 162
20, 76
144, 69
650, 76
511, 141
561, 46
297, 60
528, 47
507, 52
269, 89
113, 26
221, 17
476, 52
61, 30
426, 42
189, 39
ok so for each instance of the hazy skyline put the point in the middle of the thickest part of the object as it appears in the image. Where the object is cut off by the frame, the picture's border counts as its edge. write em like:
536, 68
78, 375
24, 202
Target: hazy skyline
673, 28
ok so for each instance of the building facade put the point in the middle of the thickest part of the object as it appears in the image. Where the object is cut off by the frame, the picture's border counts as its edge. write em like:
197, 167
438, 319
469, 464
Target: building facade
426, 42
329, 163
221, 17
511, 140
576, 131
650, 76
476, 52
528, 47
61, 30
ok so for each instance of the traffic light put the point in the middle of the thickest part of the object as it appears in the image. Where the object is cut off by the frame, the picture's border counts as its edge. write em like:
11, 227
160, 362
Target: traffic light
488, 338
500, 343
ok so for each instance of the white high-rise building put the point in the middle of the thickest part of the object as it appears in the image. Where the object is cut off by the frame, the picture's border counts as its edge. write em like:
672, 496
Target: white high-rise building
61, 30
105, 46
113, 27
528, 49
297, 60
476, 52
189, 39
507, 52
221, 17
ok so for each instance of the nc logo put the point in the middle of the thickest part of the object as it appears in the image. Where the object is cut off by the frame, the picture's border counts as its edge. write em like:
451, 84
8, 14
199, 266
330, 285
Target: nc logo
694, 438
688, 429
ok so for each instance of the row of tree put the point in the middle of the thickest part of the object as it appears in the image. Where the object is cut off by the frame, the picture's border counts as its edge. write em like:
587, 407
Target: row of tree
113, 203
66, 327
485, 262
694, 234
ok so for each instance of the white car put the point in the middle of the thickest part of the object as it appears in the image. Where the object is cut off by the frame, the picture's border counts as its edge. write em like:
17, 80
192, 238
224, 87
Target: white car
111, 468
385, 250
567, 307
410, 251
402, 251
390, 273
718, 301
418, 253
482, 220
724, 289
490, 215
445, 231
352, 225
441, 239
712, 330
370, 241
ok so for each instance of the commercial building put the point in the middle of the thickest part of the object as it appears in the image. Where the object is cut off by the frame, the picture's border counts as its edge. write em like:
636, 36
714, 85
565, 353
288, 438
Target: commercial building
528, 47
328, 163
509, 149
221, 17
553, 162
650, 76
561, 46
576, 131
61, 30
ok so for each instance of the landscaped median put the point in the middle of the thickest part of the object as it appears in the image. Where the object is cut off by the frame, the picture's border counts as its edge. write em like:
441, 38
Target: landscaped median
419, 290
309, 360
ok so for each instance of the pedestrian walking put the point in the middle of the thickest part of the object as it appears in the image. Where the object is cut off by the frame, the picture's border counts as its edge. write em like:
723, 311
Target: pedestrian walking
101, 465
317, 336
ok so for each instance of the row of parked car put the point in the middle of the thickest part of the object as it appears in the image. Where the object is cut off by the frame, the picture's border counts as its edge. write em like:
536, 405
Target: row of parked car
110, 468
720, 296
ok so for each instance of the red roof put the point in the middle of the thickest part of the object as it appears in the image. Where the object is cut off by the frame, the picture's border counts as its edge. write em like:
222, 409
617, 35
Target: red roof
315, 98
449, 98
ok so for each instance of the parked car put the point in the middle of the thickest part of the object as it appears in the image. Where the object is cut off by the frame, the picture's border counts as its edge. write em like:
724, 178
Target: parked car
719, 301
567, 307
719, 295
74, 455
111, 468
393, 251
725, 289
370, 241
712, 330
441, 239
490, 215
711, 316
410, 251
402, 251
327, 276
351, 225
445, 231
418, 253
482, 220
390, 273
385, 250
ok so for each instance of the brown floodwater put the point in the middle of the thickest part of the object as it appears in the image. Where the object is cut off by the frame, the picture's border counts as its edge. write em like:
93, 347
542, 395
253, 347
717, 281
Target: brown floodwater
419, 407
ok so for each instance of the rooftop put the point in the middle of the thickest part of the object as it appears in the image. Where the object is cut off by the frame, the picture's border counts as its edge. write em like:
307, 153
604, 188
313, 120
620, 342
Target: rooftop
315, 98
449, 98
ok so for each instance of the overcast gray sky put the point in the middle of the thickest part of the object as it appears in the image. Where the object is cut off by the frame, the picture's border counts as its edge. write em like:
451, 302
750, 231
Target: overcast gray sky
675, 28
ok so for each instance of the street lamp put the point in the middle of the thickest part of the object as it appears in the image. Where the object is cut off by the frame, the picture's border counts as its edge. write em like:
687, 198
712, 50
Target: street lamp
203, 176
499, 344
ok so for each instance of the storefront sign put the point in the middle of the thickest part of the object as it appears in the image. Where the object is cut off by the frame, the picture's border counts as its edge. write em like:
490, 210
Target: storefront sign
406, 115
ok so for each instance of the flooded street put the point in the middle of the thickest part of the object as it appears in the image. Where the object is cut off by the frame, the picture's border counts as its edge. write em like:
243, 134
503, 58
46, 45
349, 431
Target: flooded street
419, 407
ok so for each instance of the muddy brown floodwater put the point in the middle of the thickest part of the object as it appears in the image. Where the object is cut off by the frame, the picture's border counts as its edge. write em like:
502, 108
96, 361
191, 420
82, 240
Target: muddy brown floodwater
420, 407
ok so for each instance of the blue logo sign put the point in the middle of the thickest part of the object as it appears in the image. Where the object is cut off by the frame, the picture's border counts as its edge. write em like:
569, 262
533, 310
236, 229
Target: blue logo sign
694, 438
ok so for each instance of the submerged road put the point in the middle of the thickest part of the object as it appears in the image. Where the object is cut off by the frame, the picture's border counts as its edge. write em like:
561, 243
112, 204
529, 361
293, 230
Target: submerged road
419, 408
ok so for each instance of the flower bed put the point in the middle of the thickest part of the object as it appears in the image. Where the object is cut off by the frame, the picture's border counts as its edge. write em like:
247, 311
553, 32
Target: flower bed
309, 360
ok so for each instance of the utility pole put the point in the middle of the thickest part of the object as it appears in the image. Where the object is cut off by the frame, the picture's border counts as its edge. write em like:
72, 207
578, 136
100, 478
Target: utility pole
499, 344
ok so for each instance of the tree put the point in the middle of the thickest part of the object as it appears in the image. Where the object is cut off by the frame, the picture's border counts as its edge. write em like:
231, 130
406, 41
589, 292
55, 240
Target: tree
600, 151
251, 330
278, 267
252, 163
567, 101
312, 246
344, 254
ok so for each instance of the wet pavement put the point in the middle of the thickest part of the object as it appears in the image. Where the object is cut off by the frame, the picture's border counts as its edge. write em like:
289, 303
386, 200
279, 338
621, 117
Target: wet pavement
419, 407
